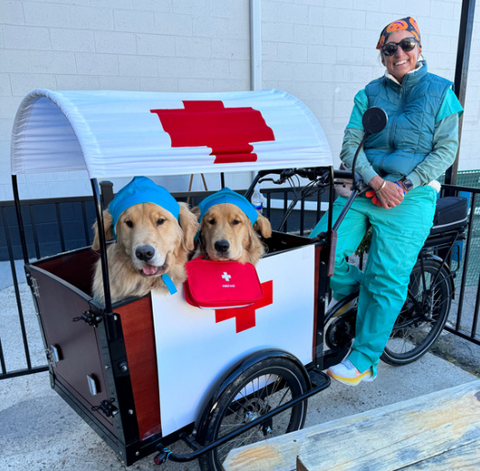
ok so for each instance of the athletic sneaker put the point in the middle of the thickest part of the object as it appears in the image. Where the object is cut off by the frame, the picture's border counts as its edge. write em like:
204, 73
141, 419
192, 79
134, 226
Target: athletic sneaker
347, 373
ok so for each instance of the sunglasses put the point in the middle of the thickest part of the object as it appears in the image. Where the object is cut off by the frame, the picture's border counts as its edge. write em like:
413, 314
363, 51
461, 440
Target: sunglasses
407, 44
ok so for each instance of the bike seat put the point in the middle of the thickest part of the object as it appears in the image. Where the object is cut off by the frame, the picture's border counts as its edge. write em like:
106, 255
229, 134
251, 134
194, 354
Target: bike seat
450, 214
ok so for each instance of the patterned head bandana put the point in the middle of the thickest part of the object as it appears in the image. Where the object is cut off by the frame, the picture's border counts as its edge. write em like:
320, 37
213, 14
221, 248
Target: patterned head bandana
405, 24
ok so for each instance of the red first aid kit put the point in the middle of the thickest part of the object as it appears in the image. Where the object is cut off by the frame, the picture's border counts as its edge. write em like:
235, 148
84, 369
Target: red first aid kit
221, 284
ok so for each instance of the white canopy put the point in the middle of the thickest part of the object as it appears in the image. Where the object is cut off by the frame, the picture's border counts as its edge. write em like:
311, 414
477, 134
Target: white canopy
122, 134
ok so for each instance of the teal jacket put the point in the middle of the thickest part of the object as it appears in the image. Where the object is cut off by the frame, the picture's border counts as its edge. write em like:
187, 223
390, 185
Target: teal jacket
421, 138
411, 108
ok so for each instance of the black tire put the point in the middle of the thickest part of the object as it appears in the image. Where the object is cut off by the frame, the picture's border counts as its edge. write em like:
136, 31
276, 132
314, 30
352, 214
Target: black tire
237, 406
419, 325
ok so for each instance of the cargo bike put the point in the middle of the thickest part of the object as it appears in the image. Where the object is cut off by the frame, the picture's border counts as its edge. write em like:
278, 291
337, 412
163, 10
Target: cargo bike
147, 372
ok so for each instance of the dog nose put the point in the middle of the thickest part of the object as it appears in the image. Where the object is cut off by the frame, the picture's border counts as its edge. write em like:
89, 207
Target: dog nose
222, 245
145, 252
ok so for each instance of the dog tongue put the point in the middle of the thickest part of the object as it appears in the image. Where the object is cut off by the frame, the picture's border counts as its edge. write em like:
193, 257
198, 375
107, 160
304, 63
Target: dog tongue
149, 270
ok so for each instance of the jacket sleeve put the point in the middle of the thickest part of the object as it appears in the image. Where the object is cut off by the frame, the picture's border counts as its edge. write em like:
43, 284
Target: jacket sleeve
445, 146
351, 141
445, 142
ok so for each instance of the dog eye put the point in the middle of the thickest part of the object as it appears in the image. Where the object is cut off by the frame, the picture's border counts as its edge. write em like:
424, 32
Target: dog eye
211, 221
160, 221
235, 222
129, 223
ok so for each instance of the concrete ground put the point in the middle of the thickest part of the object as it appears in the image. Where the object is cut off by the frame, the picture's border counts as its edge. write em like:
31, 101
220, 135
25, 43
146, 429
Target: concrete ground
39, 431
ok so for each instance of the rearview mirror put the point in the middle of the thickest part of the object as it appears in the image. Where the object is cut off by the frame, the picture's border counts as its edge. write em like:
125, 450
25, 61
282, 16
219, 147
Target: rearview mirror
374, 120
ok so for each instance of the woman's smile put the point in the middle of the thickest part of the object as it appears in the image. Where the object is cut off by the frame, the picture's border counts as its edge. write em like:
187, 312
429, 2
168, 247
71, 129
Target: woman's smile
401, 62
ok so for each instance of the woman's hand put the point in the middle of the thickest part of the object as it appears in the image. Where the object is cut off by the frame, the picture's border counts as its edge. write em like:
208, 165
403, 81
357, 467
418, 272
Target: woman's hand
388, 193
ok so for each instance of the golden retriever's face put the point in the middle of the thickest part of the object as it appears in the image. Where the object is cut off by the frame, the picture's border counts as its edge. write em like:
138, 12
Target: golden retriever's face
150, 242
150, 236
227, 234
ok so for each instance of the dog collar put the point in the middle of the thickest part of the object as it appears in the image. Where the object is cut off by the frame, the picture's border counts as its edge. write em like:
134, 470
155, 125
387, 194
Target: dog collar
141, 190
169, 284
226, 195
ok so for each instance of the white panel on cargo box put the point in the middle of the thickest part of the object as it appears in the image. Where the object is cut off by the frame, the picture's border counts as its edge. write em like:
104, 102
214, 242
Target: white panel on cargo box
194, 351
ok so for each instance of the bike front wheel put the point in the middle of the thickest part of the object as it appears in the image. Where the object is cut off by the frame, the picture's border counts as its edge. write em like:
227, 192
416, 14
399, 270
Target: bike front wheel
260, 389
423, 315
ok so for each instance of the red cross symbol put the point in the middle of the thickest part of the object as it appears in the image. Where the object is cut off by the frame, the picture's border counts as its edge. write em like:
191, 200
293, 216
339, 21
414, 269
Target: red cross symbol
228, 131
245, 316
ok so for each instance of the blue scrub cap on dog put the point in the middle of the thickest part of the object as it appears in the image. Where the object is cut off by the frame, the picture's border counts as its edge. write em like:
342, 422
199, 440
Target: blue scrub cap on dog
141, 190
228, 196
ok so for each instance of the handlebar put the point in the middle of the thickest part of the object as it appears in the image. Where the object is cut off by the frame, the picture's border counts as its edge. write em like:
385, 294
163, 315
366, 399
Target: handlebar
320, 175
347, 174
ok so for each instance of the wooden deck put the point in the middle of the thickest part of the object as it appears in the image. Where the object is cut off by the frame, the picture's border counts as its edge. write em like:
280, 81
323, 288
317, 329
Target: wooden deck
435, 432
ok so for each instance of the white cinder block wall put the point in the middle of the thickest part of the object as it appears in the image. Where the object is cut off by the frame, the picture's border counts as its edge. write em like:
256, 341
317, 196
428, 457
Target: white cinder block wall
322, 51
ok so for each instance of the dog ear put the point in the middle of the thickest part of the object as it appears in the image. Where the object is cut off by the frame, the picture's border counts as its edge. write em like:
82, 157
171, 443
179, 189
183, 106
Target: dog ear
108, 228
263, 225
196, 210
189, 223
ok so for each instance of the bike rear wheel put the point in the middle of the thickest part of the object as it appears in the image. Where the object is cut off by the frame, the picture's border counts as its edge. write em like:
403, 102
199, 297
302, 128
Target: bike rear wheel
423, 315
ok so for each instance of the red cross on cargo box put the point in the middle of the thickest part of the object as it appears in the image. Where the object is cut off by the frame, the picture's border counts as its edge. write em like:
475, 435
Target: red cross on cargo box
245, 316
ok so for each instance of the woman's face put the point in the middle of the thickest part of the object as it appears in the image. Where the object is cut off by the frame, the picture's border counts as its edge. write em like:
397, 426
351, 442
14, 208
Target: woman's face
401, 62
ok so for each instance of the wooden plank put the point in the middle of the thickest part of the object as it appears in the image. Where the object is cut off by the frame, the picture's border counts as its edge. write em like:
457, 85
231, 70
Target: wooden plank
465, 458
275, 454
396, 437
385, 439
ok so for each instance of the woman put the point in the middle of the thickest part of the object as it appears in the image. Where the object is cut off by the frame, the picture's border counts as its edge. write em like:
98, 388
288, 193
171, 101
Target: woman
400, 165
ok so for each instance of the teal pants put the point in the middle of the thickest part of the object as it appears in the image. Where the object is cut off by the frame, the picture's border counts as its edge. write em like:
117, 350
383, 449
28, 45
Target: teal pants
398, 234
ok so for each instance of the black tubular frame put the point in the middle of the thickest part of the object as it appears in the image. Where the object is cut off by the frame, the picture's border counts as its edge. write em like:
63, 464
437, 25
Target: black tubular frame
103, 246
182, 458
465, 34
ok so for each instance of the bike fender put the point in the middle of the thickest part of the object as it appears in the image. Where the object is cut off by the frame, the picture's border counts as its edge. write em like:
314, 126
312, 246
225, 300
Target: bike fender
451, 276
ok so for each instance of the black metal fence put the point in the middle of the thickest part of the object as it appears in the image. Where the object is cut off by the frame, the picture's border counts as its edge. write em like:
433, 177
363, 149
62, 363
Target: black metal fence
463, 320
54, 226
51, 226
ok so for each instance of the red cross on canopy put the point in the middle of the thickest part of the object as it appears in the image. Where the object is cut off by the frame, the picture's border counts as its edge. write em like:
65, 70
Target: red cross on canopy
228, 131
245, 316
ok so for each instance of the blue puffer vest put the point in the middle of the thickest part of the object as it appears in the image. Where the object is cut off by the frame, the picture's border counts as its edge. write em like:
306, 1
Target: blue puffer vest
411, 108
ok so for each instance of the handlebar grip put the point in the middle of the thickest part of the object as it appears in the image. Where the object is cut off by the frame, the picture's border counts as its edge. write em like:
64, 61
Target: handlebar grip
278, 171
347, 174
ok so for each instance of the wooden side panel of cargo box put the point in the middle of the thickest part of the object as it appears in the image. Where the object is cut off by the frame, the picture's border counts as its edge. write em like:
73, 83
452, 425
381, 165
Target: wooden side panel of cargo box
76, 268
138, 333
76, 342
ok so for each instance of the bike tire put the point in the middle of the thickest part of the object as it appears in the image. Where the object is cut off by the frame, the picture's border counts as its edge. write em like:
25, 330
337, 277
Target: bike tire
263, 387
416, 329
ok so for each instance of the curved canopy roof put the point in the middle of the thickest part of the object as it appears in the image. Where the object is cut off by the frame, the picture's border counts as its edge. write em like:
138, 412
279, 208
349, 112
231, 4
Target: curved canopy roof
121, 134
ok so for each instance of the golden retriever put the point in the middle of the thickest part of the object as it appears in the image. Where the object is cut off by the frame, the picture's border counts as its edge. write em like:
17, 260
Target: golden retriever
226, 233
150, 243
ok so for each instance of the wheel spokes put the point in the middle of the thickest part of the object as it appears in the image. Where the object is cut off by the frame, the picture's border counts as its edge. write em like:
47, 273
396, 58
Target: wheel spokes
255, 399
